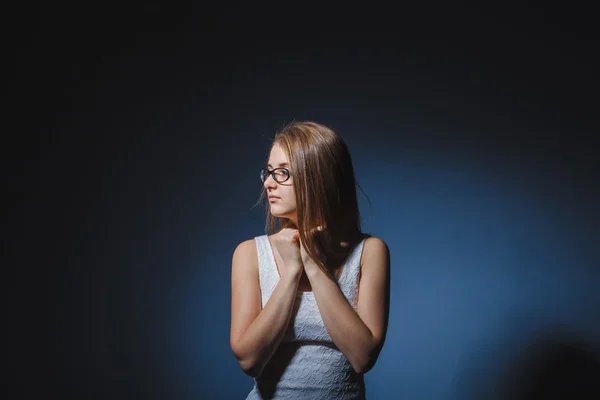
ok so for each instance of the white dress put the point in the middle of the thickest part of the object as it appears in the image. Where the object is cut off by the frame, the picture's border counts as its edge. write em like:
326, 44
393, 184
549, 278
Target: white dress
307, 364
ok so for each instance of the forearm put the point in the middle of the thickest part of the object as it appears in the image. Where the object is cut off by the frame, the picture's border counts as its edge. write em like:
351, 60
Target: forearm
347, 330
258, 344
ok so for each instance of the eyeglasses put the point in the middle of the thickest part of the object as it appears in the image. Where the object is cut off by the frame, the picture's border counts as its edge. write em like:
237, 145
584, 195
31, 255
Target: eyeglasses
279, 174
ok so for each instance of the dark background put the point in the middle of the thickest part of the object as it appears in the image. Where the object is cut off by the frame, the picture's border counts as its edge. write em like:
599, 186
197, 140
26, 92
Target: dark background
134, 172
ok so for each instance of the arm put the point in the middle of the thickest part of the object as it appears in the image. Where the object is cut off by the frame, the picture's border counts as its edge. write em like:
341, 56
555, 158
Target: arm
358, 334
255, 334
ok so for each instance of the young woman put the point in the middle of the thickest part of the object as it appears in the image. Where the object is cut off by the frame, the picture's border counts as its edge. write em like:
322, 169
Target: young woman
309, 300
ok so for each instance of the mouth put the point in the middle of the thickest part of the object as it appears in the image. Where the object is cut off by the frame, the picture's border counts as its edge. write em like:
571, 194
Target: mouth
273, 198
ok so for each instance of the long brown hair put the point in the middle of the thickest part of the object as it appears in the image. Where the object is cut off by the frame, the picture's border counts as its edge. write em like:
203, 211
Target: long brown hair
325, 188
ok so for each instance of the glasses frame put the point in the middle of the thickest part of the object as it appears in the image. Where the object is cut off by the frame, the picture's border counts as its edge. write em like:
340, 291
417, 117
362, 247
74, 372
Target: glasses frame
265, 172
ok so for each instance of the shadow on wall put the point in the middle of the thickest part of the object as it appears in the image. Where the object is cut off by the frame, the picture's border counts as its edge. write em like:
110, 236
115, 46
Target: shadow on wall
529, 362
554, 365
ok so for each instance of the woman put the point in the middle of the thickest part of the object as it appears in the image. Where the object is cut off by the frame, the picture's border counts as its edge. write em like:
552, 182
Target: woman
310, 300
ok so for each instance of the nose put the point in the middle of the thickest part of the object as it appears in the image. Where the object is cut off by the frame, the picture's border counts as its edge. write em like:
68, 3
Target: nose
270, 182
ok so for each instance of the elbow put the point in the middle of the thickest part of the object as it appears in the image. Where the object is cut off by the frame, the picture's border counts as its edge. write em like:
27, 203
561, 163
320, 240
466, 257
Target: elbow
366, 362
250, 366
251, 369
362, 367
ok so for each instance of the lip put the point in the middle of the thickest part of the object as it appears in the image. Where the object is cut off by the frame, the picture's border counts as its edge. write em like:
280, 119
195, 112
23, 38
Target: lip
272, 197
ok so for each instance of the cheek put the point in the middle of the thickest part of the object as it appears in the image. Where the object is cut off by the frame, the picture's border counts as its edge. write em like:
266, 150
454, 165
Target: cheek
290, 197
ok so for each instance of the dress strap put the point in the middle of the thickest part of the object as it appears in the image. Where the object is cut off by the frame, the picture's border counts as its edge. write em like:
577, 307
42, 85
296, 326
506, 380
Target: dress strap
267, 269
351, 274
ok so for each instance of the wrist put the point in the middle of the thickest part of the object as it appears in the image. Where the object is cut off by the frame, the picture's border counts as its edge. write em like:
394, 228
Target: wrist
293, 271
312, 270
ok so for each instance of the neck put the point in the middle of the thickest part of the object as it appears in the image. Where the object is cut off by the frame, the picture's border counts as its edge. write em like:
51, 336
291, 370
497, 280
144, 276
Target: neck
294, 223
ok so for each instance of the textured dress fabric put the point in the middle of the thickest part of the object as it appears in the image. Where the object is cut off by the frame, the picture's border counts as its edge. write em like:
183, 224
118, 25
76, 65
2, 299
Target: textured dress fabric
307, 364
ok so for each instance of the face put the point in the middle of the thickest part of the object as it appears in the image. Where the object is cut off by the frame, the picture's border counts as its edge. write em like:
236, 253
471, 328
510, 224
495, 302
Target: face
283, 204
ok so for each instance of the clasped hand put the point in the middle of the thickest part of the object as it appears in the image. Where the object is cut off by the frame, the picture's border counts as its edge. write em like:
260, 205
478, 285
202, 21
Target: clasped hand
310, 266
294, 254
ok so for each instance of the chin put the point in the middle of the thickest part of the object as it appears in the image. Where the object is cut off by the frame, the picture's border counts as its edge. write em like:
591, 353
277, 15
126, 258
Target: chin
280, 213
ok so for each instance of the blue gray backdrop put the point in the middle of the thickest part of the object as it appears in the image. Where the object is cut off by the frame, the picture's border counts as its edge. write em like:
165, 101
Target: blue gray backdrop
151, 125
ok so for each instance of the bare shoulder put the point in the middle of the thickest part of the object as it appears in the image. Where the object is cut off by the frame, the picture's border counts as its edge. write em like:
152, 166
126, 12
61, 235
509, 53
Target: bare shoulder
245, 247
245, 254
375, 252
375, 245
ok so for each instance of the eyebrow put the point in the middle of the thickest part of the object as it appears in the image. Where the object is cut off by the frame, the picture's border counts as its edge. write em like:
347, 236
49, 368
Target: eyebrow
284, 164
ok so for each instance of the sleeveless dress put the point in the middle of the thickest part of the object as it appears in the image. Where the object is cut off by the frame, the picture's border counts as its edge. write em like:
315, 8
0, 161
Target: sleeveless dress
307, 364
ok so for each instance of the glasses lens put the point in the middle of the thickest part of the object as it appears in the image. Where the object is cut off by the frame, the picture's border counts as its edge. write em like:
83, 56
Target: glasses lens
281, 175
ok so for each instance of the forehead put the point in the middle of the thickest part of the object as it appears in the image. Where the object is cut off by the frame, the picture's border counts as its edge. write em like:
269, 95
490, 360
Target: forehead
277, 155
